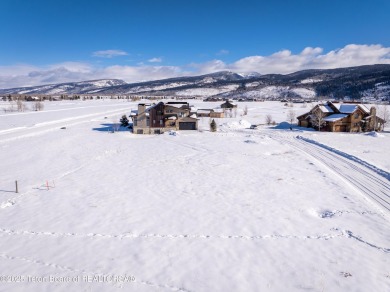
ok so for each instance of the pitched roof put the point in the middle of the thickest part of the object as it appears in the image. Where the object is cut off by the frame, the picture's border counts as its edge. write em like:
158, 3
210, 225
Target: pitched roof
350, 108
325, 108
335, 117
179, 105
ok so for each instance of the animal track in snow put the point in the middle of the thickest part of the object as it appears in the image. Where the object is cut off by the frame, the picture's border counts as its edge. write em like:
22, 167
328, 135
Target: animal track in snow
171, 236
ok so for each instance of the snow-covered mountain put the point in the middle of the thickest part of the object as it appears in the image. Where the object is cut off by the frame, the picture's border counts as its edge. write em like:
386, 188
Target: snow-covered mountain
66, 88
372, 81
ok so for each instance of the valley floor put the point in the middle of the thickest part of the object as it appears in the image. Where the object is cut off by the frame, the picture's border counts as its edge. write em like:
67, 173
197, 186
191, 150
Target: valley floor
237, 210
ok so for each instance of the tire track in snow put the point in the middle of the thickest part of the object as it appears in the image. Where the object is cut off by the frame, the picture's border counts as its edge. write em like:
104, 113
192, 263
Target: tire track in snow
104, 275
372, 185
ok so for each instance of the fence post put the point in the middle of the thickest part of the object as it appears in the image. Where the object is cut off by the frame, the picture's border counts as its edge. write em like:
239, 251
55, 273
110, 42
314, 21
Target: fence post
16, 185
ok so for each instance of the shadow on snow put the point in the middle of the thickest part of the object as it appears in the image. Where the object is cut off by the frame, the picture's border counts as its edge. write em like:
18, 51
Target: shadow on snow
111, 127
287, 126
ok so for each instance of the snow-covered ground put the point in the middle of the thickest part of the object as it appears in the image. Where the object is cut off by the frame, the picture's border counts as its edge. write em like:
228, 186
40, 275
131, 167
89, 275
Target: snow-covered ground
237, 210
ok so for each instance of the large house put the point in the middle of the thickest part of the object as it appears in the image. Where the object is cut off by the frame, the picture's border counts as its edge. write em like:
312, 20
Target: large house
161, 117
339, 117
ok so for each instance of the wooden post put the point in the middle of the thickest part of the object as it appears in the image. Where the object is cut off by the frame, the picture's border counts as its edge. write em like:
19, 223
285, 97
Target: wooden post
16, 185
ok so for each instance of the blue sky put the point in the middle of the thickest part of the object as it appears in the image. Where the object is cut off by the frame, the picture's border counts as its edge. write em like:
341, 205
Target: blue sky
58, 41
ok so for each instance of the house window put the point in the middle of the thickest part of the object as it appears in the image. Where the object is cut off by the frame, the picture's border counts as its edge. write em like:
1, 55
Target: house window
356, 115
161, 122
135, 122
148, 122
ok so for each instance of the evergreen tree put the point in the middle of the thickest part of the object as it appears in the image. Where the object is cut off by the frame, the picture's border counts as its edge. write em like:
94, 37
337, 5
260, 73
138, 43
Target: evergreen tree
124, 121
213, 126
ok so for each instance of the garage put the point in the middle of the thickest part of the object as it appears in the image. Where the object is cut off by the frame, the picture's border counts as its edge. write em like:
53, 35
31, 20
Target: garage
187, 126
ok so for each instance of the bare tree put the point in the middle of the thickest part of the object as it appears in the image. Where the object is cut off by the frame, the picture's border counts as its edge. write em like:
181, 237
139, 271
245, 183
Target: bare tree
245, 110
235, 112
38, 106
291, 114
225, 114
318, 117
268, 119
384, 114
115, 126
20, 105
11, 107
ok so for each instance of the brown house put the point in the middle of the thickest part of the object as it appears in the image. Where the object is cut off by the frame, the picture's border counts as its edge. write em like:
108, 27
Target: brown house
334, 117
211, 113
159, 118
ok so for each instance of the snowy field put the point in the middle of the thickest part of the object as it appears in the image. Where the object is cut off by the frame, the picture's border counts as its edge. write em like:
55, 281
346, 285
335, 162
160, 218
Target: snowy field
237, 210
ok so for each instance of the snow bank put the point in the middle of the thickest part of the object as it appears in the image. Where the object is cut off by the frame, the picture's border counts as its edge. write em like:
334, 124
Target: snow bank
241, 124
374, 134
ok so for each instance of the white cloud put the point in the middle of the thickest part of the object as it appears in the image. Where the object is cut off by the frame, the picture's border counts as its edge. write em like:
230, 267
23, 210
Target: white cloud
280, 62
222, 52
155, 60
284, 62
109, 53
209, 67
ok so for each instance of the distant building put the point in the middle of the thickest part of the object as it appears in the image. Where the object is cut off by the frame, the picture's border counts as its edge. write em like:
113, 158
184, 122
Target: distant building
228, 105
340, 117
159, 118
211, 113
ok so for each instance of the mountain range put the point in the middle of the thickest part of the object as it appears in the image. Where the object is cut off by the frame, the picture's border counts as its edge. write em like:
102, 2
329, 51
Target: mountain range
367, 82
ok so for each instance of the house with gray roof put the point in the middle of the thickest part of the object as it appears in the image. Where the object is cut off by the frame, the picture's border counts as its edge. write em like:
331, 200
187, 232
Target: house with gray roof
339, 117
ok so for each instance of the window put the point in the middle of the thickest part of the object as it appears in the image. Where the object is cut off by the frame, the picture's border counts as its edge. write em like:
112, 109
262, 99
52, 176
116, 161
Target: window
161, 122
148, 122
135, 122
356, 115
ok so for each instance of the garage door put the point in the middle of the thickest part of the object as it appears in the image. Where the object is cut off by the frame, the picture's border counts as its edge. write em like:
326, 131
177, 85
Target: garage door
187, 126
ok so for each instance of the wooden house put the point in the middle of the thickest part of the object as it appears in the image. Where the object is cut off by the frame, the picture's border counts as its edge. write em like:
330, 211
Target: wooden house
217, 113
340, 117
159, 118
211, 113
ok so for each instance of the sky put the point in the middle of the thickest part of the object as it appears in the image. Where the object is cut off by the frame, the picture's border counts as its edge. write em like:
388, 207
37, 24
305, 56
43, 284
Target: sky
46, 41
